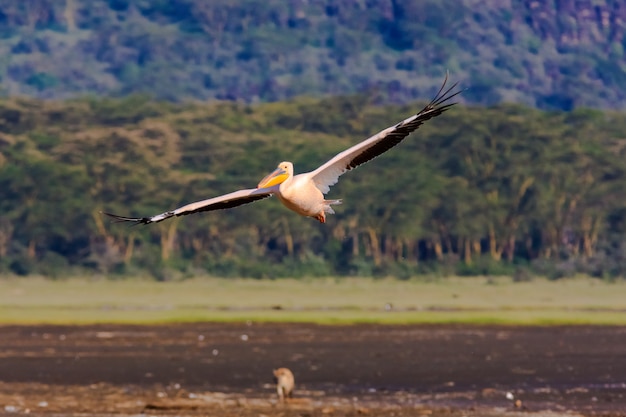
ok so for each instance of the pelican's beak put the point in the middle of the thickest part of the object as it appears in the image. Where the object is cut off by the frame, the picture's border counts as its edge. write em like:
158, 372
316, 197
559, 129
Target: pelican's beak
278, 176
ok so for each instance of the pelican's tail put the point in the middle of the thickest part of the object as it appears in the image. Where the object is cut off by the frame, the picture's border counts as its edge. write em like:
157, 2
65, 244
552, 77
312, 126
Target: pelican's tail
329, 203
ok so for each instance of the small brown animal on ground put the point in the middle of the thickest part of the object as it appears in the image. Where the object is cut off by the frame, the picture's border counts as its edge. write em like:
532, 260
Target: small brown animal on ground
284, 383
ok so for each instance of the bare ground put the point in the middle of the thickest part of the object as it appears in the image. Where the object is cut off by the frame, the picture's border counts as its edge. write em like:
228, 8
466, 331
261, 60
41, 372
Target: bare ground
226, 370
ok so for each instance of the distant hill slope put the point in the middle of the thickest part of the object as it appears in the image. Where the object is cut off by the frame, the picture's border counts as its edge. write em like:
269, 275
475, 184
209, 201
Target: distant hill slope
557, 54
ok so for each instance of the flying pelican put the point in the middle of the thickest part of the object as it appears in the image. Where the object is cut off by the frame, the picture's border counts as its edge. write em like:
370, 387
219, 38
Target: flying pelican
304, 193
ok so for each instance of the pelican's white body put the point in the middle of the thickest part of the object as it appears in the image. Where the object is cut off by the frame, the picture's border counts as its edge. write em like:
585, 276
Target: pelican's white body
300, 193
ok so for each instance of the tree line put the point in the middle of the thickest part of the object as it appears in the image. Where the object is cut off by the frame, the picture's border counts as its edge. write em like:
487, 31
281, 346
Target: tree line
500, 190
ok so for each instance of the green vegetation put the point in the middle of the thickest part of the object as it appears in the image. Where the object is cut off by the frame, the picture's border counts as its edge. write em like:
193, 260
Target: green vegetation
559, 55
327, 301
503, 191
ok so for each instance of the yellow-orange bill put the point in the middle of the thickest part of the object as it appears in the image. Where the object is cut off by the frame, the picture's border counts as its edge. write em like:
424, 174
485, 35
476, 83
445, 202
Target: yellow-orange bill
276, 177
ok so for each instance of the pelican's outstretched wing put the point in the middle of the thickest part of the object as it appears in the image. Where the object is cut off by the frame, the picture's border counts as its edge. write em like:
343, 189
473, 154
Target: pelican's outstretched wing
225, 201
328, 174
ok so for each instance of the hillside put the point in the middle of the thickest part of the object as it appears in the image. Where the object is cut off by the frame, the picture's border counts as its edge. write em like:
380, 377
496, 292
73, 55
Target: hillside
558, 54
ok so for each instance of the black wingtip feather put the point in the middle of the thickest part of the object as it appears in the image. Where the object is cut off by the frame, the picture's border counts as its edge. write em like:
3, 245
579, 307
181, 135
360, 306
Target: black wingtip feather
123, 219
441, 98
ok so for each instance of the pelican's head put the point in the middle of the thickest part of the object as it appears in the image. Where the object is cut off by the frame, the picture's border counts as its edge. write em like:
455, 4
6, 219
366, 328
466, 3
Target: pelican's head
280, 174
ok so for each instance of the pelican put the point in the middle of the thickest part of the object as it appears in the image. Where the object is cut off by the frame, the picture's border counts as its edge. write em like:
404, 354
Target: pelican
304, 193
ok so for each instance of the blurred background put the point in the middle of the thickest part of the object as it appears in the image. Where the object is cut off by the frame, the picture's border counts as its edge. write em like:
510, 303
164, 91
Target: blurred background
136, 107
552, 55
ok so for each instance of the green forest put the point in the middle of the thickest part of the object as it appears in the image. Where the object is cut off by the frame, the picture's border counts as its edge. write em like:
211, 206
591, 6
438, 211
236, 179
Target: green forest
499, 190
544, 54
136, 107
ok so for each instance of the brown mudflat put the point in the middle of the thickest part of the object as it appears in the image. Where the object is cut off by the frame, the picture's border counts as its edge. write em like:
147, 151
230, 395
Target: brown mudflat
226, 370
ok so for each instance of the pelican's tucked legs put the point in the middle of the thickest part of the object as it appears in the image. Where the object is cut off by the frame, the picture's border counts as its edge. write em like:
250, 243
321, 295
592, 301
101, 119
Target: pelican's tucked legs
321, 216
